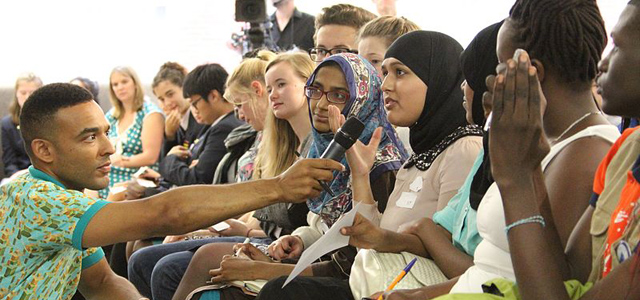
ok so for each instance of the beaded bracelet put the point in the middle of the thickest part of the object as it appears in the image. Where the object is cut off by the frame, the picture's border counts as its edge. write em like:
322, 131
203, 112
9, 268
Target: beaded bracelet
532, 219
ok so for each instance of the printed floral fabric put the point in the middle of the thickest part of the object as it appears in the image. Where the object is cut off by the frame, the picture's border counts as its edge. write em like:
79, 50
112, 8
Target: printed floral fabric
42, 225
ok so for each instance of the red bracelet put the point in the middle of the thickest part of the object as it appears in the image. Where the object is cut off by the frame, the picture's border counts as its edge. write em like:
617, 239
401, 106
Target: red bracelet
248, 232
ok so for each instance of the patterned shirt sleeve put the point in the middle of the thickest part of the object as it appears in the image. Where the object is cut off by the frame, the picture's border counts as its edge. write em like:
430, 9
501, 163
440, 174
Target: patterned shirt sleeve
91, 256
62, 215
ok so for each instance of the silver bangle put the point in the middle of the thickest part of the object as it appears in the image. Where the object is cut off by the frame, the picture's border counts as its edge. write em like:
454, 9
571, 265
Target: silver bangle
533, 219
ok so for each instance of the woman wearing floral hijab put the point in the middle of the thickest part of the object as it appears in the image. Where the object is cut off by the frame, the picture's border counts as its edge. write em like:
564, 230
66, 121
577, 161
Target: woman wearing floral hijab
365, 103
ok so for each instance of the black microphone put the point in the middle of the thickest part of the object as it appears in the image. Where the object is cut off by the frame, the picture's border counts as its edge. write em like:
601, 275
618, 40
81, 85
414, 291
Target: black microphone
346, 136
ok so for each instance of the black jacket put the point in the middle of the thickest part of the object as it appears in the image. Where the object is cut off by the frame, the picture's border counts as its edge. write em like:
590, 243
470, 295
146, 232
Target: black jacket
208, 150
14, 156
193, 131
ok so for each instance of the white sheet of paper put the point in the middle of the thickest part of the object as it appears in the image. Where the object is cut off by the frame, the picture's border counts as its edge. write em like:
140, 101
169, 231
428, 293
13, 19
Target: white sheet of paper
139, 172
330, 241
146, 183
416, 185
407, 200
221, 226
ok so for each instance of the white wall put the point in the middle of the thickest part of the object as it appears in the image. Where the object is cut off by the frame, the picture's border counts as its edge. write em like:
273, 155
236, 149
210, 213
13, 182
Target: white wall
59, 40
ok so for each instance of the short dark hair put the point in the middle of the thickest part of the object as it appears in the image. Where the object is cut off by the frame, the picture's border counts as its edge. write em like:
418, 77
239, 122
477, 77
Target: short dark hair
91, 85
567, 36
39, 111
344, 14
204, 79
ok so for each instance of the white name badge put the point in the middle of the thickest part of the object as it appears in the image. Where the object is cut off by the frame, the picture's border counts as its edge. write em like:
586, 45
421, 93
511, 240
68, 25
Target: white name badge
416, 185
407, 200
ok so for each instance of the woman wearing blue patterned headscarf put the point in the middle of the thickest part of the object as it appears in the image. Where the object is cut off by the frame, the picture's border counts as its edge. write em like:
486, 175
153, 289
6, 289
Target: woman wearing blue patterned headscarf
364, 101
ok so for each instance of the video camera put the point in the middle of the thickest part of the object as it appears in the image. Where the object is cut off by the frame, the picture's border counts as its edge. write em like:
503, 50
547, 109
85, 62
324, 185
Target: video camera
256, 32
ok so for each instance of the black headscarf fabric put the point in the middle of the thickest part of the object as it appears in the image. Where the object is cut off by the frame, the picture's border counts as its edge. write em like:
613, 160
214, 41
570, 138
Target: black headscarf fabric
434, 58
478, 61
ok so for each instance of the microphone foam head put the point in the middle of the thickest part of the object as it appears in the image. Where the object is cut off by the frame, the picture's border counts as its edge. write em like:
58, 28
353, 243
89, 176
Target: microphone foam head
349, 132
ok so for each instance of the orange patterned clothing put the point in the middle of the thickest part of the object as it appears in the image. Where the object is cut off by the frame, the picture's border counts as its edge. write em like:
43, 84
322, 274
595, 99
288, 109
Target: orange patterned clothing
42, 224
615, 224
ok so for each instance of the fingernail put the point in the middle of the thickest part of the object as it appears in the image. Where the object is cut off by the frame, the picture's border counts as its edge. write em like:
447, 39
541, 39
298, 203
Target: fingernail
512, 64
500, 78
518, 54
532, 71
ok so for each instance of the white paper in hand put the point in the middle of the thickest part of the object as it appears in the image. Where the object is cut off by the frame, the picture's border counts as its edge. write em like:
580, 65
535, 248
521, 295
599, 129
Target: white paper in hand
330, 241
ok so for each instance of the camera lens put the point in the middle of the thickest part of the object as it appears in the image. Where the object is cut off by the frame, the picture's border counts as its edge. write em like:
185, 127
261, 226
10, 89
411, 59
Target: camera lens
252, 10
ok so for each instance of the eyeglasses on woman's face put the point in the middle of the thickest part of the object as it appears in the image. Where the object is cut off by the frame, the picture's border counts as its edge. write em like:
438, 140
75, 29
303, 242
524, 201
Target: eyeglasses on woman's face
315, 93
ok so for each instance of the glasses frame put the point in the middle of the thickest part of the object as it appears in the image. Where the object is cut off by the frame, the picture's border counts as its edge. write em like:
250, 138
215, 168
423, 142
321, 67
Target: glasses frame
326, 93
332, 51
194, 104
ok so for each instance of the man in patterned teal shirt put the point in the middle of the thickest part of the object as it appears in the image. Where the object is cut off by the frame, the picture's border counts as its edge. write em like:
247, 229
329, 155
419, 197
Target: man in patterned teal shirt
51, 232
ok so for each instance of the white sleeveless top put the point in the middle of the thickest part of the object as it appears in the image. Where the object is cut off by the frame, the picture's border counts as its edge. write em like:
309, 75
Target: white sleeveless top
492, 258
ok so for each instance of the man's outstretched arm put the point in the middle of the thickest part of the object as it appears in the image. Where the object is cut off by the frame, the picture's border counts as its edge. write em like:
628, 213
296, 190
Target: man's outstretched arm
185, 209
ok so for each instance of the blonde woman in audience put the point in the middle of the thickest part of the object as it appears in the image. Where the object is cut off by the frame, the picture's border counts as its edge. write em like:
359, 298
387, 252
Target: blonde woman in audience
378, 34
137, 127
14, 155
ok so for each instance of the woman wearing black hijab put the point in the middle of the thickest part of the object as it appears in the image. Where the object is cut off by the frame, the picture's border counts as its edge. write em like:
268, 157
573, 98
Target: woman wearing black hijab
478, 61
422, 91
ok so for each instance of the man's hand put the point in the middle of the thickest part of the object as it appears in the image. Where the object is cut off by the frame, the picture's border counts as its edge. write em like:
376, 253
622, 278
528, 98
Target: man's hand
364, 234
300, 181
193, 163
517, 141
150, 174
134, 190
286, 247
181, 151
